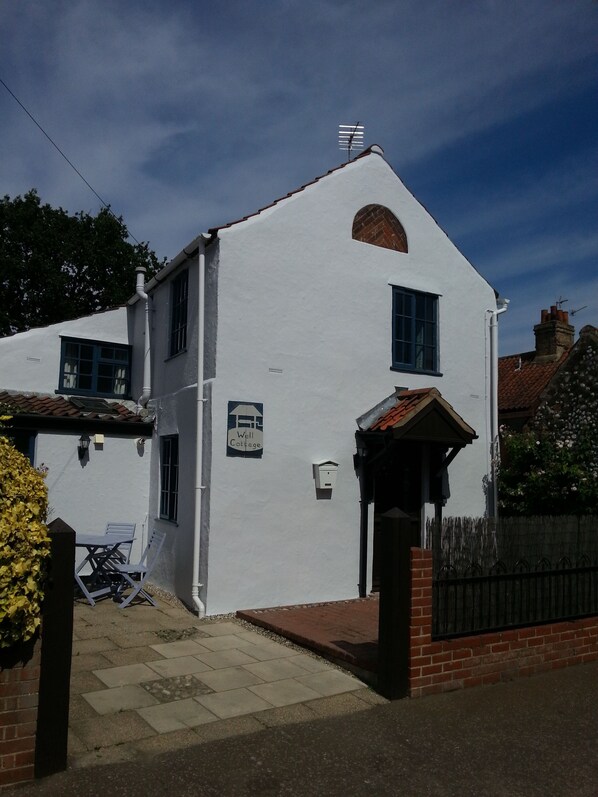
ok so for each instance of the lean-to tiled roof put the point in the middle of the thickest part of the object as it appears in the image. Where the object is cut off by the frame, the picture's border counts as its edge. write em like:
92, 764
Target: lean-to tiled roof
47, 406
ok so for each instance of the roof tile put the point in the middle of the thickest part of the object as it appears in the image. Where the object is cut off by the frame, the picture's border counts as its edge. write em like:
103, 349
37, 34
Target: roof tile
61, 407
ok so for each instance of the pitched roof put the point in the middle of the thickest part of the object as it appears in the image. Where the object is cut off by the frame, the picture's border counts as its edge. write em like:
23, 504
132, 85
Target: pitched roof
521, 380
47, 406
374, 148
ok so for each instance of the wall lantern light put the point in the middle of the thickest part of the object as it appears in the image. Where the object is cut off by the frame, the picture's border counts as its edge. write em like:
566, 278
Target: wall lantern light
83, 446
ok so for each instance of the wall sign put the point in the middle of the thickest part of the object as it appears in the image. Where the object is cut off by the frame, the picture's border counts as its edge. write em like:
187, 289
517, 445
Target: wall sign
245, 429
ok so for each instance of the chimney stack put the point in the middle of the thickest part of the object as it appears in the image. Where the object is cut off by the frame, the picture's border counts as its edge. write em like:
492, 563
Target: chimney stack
554, 335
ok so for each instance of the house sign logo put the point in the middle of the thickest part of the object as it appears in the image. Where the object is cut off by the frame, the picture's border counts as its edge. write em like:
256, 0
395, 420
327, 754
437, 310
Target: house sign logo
245, 429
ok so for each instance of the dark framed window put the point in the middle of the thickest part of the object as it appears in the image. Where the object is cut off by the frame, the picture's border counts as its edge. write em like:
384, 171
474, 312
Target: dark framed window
414, 331
169, 477
23, 441
179, 292
94, 368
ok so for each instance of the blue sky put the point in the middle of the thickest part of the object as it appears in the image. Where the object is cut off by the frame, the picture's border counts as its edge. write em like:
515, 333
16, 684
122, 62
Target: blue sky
190, 113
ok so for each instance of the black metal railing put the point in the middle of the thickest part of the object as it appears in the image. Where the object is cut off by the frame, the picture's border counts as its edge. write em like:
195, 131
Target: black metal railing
519, 571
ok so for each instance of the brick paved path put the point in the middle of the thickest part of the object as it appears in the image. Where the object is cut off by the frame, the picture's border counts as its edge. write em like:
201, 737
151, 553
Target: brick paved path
346, 631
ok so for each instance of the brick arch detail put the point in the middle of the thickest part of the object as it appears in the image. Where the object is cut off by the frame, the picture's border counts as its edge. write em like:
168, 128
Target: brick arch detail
377, 225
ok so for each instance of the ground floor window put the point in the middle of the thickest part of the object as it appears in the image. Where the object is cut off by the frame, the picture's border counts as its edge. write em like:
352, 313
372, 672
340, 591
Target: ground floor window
23, 441
169, 477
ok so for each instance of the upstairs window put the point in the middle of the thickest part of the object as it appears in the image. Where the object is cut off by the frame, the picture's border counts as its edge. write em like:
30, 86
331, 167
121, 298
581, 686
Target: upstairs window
94, 368
414, 331
169, 477
179, 290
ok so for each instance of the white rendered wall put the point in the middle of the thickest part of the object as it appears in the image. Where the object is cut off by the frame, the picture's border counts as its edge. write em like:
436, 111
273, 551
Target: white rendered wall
304, 327
112, 484
30, 361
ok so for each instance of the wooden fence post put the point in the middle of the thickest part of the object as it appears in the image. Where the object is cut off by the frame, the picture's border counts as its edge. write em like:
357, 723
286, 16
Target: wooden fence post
56, 652
397, 537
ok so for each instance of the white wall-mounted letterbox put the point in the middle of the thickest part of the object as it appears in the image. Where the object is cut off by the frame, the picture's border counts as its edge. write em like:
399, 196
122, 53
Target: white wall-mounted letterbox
325, 474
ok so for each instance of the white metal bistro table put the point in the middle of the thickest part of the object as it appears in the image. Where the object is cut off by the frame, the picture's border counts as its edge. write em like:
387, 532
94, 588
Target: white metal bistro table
100, 548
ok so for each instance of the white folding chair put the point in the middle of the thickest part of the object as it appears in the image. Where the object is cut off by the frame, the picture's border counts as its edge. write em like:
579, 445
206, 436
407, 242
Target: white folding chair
136, 575
123, 553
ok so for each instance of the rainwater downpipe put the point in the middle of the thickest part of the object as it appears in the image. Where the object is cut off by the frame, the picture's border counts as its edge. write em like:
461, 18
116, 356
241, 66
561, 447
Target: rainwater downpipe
147, 371
199, 486
502, 305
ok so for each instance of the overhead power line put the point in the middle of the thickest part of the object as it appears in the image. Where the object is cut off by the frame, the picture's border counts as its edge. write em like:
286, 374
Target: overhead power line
70, 163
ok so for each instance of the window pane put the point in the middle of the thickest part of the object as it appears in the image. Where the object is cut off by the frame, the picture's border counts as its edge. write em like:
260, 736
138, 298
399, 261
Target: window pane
95, 368
415, 330
169, 478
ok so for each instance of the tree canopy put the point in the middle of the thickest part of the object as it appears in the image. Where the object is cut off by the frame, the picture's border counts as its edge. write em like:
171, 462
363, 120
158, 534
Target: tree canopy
55, 266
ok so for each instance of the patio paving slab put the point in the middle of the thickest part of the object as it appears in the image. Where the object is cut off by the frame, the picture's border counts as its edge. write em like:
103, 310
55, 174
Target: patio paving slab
93, 645
276, 670
84, 682
126, 674
87, 662
183, 647
228, 678
111, 729
223, 642
176, 716
233, 703
219, 659
283, 693
183, 665
120, 698
121, 656
268, 650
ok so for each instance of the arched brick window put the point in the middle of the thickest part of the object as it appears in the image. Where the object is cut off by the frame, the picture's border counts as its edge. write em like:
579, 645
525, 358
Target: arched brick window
377, 225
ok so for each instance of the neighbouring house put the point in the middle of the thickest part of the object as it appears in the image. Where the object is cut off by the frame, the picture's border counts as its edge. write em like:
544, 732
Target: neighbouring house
527, 379
296, 373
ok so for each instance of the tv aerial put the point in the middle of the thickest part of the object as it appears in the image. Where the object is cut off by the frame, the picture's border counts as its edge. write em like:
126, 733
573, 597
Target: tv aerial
350, 138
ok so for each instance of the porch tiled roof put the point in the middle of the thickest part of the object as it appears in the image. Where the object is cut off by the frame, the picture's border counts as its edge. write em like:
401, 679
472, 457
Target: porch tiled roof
44, 405
408, 402
521, 380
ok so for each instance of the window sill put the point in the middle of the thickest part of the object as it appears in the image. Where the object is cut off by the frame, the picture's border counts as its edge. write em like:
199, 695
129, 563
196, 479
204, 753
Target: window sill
422, 371
166, 520
174, 356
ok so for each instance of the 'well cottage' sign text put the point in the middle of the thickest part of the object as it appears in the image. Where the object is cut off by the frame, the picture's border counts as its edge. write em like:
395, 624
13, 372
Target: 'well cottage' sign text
245, 429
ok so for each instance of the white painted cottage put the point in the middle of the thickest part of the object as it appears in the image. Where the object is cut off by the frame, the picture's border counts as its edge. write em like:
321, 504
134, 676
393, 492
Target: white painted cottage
345, 353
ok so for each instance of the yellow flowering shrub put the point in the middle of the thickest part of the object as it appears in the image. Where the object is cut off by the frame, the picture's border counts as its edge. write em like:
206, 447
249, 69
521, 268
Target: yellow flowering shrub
24, 545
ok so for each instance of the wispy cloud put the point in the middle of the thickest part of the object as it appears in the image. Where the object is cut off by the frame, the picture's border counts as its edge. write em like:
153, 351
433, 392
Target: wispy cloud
186, 116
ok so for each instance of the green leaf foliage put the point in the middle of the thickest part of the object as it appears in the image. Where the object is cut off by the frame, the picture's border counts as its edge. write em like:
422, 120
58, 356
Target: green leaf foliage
24, 545
55, 266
